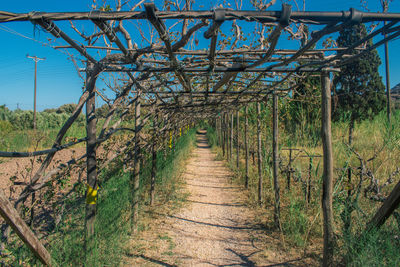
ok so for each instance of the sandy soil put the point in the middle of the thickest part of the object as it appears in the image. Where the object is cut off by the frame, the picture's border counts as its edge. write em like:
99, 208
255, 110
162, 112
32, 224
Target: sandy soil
215, 228
22, 169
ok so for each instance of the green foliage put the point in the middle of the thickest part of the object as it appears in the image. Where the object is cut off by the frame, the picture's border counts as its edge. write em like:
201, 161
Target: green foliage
102, 111
303, 114
66, 108
48, 119
294, 222
211, 136
5, 127
16, 127
4, 113
359, 90
376, 248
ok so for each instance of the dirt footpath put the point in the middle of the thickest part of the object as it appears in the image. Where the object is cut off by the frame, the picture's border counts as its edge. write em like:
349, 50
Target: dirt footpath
215, 228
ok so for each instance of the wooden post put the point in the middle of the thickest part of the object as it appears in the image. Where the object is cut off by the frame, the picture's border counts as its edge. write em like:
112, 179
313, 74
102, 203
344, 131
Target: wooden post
388, 97
217, 130
309, 180
91, 162
223, 134
246, 147
220, 131
232, 140
135, 178
153, 162
259, 160
237, 140
275, 159
221, 138
11, 216
327, 185
389, 205
289, 173
227, 134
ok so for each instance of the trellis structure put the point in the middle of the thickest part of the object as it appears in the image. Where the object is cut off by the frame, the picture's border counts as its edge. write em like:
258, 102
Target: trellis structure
182, 84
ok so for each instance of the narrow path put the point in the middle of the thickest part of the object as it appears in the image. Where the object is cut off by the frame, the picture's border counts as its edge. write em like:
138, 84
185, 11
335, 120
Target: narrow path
215, 227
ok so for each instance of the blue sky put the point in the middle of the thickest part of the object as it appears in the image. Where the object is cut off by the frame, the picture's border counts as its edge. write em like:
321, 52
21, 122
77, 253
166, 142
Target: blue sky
58, 82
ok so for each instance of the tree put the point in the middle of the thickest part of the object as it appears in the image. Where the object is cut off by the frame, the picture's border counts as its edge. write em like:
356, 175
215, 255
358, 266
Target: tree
66, 108
304, 116
359, 91
102, 112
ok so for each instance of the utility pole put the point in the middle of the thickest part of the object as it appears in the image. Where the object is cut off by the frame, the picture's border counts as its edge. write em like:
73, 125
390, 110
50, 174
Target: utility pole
36, 59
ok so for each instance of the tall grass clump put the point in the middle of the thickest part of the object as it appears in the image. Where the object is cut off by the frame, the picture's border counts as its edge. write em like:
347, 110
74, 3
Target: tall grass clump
375, 248
211, 136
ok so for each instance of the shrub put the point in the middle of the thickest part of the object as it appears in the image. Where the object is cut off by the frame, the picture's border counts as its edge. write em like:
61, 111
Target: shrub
5, 127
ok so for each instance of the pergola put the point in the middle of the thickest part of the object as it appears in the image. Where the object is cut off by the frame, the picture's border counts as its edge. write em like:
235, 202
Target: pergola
181, 83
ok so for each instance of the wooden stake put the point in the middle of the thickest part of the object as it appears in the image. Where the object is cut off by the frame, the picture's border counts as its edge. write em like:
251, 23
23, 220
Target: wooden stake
275, 160
391, 203
327, 186
228, 146
231, 144
136, 165
11, 216
246, 147
309, 180
223, 135
91, 162
153, 163
259, 159
220, 131
388, 97
237, 140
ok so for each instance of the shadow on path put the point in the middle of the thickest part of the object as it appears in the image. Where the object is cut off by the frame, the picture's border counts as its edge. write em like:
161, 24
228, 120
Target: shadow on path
161, 263
215, 225
218, 204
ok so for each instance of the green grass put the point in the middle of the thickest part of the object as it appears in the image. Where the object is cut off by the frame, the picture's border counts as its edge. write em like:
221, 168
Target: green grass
301, 222
112, 228
377, 248
42, 138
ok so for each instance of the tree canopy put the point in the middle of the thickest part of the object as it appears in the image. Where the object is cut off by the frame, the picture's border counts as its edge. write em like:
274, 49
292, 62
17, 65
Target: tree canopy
359, 90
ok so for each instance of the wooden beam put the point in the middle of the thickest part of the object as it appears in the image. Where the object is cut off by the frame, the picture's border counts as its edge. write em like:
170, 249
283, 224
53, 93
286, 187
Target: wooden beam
391, 203
11, 216
274, 36
161, 29
228, 76
52, 28
247, 15
111, 35
263, 70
